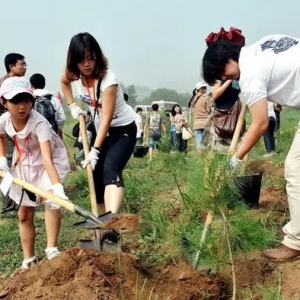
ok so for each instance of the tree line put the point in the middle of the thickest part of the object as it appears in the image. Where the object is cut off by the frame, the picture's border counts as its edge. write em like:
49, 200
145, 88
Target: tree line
159, 94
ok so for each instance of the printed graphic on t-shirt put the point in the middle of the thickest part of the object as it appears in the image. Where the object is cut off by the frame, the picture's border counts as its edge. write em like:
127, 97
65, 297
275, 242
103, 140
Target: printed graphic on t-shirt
279, 45
155, 122
86, 99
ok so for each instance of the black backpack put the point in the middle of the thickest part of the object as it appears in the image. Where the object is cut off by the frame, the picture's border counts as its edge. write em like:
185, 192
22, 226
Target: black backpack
44, 106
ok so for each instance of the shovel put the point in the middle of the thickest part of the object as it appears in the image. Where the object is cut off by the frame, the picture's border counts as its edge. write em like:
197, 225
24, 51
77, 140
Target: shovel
92, 220
97, 243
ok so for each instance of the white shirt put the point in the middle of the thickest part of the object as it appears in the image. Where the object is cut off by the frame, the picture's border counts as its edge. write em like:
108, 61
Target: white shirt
271, 112
123, 113
270, 69
60, 116
139, 125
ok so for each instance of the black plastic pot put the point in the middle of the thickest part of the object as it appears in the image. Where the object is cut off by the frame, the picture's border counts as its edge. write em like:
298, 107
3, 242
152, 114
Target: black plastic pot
248, 189
140, 151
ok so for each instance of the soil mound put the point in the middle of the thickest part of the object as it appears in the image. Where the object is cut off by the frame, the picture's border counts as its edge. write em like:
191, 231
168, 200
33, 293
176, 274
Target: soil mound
269, 169
123, 221
89, 274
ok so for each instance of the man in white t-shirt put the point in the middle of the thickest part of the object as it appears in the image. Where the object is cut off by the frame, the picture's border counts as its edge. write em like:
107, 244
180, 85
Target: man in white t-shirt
268, 70
139, 125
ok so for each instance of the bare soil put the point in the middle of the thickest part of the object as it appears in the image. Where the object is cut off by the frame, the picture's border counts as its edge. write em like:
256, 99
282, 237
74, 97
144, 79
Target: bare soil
89, 274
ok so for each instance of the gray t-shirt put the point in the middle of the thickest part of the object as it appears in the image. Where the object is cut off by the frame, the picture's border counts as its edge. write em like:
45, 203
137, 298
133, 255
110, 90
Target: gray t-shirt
155, 121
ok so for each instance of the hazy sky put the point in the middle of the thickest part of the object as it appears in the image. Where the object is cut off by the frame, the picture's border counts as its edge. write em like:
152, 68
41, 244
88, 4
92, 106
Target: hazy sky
157, 43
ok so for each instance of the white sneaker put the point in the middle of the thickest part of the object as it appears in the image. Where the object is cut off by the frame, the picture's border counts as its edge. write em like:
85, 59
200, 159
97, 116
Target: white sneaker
29, 262
52, 252
270, 154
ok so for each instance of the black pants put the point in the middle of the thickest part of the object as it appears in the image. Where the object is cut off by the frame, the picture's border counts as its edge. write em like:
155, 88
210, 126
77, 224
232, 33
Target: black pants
277, 126
180, 143
115, 152
269, 135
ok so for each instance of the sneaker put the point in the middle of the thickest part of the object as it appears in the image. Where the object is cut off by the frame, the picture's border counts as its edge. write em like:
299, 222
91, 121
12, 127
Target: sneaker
270, 154
281, 254
52, 252
29, 262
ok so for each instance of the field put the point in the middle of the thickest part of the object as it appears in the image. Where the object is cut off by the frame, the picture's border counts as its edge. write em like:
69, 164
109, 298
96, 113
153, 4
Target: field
170, 197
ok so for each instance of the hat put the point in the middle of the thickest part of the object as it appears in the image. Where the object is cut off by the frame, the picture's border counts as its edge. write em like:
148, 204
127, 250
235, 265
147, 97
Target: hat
200, 85
13, 86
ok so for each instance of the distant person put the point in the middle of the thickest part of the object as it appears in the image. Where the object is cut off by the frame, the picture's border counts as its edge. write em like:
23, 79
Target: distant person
139, 125
15, 65
38, 83
153, 128
201, 107
269, 138
179, 121
278, 110
172, 133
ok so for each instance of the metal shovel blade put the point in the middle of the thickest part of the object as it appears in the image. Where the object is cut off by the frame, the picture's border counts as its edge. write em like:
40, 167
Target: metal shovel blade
95, 222
101, 243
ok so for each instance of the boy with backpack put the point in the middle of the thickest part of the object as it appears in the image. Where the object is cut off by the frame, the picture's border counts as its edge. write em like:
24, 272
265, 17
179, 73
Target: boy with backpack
47, 104
153, 127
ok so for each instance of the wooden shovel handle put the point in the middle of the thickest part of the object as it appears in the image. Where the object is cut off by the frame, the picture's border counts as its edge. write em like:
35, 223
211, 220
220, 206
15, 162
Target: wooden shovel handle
89, 170
238, 130
46, 195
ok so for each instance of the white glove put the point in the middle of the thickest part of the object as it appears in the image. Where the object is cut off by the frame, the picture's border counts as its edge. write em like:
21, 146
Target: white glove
3, 163
91, 158
58, 190
76, 111
234, 162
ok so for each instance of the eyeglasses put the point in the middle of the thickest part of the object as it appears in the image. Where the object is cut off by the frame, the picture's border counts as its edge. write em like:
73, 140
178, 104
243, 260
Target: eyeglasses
22, 64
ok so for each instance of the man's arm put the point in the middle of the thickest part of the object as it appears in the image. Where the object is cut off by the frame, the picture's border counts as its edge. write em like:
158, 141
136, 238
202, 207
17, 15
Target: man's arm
260, 123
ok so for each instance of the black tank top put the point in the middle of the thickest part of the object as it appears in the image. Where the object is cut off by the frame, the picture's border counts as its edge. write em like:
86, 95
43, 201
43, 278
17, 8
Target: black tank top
228, 98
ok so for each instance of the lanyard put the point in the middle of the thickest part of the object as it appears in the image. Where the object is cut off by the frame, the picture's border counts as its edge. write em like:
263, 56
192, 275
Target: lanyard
92, 99
19, 151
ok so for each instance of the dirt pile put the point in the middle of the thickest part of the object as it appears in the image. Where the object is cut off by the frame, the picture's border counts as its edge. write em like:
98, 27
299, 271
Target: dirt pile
89, 274
268, 168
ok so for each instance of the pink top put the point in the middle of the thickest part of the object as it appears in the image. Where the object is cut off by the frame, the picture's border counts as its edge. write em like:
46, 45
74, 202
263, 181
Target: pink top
30, 167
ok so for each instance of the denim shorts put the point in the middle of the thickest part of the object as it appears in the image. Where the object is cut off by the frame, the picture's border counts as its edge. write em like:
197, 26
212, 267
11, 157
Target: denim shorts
153, 140
198, 138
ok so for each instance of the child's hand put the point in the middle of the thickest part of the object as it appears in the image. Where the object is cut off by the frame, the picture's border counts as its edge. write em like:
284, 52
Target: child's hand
58, 190
3, 163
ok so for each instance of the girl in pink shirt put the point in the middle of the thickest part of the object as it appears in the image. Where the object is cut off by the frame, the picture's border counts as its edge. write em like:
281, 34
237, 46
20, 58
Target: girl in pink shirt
39, 158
